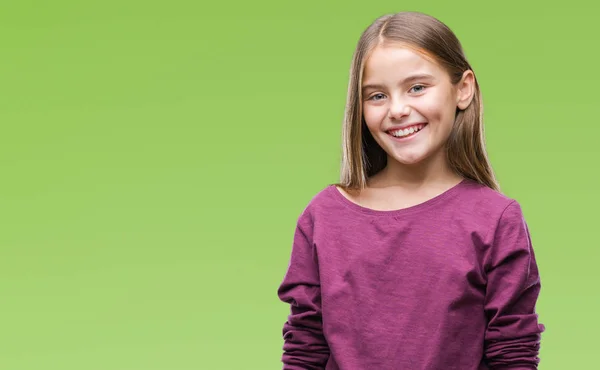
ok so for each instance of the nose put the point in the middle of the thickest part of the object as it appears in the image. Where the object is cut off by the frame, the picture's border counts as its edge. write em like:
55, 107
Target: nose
398, 109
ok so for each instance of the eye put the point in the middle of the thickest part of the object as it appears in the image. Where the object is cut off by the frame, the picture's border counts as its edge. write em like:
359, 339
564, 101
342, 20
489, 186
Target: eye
372, 97
419, 88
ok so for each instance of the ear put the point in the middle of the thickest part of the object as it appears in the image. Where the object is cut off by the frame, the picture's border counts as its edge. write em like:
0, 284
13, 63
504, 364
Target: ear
465, 90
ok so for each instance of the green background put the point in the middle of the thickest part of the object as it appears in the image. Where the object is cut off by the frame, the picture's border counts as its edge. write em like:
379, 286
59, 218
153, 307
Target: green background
155, 156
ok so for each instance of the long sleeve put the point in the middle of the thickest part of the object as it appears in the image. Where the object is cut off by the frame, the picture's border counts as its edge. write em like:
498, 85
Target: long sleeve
513, 334
304, 346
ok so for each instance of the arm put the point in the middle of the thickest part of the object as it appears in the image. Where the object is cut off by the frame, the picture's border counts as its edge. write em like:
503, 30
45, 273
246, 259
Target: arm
304, 347
512, 338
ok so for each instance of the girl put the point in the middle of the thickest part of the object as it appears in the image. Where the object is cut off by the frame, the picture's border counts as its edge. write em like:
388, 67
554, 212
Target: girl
415, 260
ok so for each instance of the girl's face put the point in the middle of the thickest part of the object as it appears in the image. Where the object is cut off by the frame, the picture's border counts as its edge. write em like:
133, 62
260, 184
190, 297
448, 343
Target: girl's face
409, 103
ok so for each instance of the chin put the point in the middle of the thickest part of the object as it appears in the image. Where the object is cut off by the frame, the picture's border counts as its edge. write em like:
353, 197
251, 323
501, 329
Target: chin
408, 162
408, 159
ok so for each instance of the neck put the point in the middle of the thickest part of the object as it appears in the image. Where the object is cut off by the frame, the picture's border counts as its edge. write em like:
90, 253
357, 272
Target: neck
433, 170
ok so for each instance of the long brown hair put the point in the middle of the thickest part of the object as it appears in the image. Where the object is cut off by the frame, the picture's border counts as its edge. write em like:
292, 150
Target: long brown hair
362, 157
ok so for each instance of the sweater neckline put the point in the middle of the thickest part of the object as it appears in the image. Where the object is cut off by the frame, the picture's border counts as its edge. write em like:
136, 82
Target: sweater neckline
401, 211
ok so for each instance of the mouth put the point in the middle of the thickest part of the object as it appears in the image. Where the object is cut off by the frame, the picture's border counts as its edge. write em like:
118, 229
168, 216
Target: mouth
406, 133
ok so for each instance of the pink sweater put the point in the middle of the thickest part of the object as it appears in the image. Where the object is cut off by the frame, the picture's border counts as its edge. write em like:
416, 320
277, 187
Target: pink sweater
450, 283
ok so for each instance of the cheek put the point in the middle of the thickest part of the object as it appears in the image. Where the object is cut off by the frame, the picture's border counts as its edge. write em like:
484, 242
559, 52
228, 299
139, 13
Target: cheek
373, 116
441, 111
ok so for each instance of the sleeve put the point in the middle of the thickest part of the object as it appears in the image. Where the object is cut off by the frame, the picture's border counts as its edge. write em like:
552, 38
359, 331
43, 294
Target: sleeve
513, 334
304, 346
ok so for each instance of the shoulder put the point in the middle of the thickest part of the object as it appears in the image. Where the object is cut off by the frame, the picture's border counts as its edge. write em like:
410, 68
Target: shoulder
502, 215
488, 203
323, 201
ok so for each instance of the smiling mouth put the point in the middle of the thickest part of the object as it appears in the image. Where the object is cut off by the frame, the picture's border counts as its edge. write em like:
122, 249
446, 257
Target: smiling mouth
407, 132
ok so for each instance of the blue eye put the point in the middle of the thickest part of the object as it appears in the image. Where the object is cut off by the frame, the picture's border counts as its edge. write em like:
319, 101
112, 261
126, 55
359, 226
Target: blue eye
373, 96
417, 86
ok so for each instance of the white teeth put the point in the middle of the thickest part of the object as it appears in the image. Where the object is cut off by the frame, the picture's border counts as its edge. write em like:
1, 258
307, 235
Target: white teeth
408, 131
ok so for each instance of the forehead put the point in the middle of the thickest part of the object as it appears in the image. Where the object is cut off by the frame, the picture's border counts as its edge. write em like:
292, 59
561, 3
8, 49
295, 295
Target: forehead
397, 61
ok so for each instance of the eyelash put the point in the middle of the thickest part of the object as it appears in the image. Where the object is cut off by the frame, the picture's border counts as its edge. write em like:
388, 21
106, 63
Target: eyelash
423, 86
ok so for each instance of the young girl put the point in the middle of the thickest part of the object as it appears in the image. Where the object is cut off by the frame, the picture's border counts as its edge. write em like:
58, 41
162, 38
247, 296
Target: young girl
415, 260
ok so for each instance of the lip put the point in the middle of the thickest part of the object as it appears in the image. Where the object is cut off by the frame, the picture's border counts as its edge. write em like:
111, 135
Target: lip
402, 139
405, 126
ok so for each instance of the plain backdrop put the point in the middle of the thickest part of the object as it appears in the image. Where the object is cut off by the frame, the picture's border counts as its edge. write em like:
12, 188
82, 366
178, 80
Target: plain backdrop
155, 156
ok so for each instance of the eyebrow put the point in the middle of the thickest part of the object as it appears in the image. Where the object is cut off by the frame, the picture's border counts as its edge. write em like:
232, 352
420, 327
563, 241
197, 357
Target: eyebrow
420, 76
